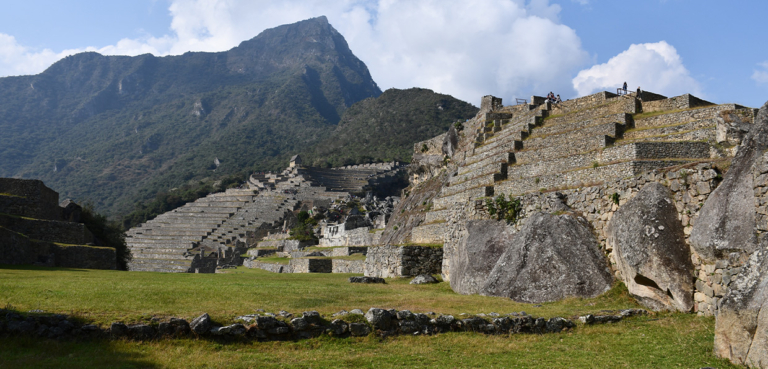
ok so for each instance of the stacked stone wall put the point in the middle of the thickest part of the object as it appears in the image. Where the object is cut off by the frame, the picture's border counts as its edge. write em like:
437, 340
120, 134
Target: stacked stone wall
311, 265
611, 106
18, 249
270, 267
41, 201
348, 266
581, 103
428, 233
691, 186
49, 230
700, 113
403, 261
674, 103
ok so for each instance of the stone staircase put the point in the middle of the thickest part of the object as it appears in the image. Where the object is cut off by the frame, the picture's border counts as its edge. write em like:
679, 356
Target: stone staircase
162, 244
601, 137
352, 179
178, 240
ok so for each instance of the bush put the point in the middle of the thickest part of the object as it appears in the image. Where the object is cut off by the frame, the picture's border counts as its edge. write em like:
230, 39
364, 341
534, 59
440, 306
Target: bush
107, 233
502, 208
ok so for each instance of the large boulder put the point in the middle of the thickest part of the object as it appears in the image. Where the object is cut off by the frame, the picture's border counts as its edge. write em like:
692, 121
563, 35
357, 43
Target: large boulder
726, 222
476, 254
450, 142
551, 258
741, 329
650, 250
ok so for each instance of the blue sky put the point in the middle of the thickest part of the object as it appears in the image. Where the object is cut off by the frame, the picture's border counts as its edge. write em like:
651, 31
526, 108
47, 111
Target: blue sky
509, 48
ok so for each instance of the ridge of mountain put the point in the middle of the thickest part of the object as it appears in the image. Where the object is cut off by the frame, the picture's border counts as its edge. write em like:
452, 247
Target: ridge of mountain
113, 130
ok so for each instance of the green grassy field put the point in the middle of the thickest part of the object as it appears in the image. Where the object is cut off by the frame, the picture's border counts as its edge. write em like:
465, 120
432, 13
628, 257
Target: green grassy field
656, 341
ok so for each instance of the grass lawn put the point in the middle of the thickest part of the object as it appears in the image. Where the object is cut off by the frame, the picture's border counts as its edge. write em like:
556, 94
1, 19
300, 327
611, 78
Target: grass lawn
660, 340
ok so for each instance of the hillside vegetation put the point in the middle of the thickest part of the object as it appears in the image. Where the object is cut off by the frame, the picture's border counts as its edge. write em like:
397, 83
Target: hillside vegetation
115, 130
385, 128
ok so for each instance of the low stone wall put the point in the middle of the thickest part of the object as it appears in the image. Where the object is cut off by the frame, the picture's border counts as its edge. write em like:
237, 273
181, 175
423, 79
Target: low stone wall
49, 230
348, 266
261, 252
308, 324
346, 251
302, 254
87, 257
311, 266
270, 267
17, 249
674, 103
403, 261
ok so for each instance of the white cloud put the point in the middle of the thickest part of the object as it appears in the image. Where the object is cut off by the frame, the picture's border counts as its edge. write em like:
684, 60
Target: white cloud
761, 76
509, 48
655, 67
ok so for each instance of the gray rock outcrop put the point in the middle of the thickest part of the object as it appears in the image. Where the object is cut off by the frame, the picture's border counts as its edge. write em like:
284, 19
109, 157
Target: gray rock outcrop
650, 250
741, 329
551, 258
450, 142
726, 222
424, 279
476, 254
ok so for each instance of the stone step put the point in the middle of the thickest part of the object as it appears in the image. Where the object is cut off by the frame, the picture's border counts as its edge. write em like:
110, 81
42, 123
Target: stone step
498, 149
685, 116
445, 202
655, 131
548, 128
162, 237
227, 198
576, 147
708, 134
506, 157
610, 107
206, 210
174, 232
479, 181
581, 177
566, 137
150, 241
584, 102
217, 204
155, 255
160, 265
489, 169
616, 153
517, 129
436, 216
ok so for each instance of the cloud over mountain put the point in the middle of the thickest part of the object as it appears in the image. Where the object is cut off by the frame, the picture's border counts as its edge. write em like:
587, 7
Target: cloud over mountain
509, 48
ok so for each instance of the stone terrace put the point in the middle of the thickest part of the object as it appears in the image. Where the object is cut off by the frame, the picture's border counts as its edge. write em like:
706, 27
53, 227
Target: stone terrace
351, 178
172, 241
527, 148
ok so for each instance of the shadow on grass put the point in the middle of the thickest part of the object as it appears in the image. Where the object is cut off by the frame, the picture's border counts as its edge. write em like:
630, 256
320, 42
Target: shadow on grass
39, 268
30, 352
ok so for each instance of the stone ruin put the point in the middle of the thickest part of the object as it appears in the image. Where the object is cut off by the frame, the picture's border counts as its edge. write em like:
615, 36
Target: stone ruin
648, 175
214, 232
36, 230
